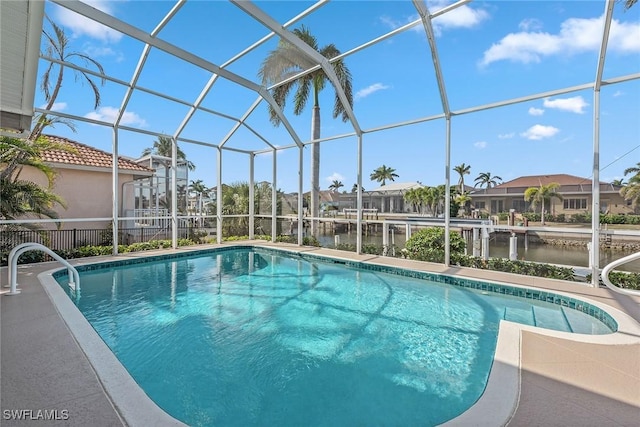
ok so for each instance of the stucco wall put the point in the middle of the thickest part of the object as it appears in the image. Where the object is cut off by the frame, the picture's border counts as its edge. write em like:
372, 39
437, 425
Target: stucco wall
87, 194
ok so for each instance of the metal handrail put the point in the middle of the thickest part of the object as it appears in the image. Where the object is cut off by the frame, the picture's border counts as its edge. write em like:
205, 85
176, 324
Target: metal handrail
74, 277
611, 266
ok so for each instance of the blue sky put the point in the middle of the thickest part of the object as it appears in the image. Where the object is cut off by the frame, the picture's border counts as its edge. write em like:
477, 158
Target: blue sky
489, 51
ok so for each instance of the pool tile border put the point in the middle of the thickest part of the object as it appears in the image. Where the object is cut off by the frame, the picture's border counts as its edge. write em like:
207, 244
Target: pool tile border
517, 291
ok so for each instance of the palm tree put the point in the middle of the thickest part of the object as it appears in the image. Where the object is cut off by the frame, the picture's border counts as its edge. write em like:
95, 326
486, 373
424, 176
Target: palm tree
286, 61
354, 189
462, 170
412, 196
629, 3
632, 169
336, 185
198, 188
463, 201
383, 173
619, 182
20, 198
162, 147
484, 179
58, 48
631, 191
541, 195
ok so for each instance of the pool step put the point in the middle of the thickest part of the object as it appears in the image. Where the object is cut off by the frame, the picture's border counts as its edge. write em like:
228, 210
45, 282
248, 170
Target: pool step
550, 318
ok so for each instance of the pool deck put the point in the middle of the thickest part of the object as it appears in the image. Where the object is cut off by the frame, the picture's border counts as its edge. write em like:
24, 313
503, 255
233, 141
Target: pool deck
563, 380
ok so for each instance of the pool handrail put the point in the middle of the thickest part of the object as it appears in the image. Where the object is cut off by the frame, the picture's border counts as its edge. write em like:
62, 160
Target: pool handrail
74, 277
606, 270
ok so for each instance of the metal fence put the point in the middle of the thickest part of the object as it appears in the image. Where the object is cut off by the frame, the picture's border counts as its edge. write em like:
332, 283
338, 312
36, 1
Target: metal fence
74, 238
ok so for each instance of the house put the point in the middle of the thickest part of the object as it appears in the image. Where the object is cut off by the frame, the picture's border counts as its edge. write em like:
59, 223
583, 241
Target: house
575, 192
84, 182
387, 198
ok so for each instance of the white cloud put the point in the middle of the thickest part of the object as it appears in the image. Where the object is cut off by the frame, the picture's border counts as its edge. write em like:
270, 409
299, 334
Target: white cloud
480, 144
103, 51
618, 93
575, 104
81, 26
109, 115
57, 106
506, 135
537, 132
363, 93
335, 177
530, 24
575, 35
461, 17
536, 111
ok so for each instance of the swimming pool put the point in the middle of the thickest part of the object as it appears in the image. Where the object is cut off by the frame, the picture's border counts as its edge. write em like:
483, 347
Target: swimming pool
260, 337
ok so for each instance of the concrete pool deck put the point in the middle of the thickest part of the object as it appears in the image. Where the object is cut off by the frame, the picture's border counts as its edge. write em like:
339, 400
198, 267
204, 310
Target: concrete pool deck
562, 380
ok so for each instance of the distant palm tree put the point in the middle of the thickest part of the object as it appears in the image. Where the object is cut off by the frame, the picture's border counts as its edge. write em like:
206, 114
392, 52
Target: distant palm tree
162, 147
199, 189
286, 61
618, 182
354, 189
383, 173
463, 201
462, 170
412, 197
632, 169
484, 179
631, 191
58, 48
541, 195
336, 185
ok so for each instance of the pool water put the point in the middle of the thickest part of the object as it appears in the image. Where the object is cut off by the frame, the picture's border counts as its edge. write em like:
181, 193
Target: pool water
251, 337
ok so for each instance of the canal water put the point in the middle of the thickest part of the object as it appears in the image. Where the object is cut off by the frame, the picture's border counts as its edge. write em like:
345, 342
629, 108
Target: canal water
576, 256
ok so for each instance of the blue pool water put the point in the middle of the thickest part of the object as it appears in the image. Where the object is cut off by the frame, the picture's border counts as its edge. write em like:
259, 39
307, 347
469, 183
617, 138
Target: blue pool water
256, 337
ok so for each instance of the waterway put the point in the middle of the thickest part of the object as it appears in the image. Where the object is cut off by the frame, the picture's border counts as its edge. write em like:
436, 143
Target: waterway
575, 256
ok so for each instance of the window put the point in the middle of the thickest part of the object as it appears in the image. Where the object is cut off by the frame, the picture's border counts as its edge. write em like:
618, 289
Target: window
519, 205
480, 205
575, 203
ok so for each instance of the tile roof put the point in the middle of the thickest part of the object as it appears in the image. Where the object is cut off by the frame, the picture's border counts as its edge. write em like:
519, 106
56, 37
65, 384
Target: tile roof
537, 180
84, 155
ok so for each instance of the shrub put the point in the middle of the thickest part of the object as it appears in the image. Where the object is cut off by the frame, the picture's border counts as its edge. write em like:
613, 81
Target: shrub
516, 267
310, 241
428, 245
622, 279
532, 216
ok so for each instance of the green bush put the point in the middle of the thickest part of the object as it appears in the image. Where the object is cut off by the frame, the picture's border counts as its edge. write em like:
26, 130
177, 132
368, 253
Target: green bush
503, 216
532, 216
516, 267
367, 248
310, 241
428, 245
622, 279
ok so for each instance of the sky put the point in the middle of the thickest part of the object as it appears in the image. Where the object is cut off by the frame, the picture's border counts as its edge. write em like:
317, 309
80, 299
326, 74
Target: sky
489, 51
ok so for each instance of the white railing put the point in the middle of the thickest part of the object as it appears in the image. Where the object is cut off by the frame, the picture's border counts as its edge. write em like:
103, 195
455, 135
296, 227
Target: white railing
74, 277
614, 264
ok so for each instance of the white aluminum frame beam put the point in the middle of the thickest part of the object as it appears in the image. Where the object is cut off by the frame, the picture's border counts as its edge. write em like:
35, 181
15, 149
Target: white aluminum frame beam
595, 181
134, 32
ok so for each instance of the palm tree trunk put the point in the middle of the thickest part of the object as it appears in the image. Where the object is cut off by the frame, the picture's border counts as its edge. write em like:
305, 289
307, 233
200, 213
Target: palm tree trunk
542, 213
315, 169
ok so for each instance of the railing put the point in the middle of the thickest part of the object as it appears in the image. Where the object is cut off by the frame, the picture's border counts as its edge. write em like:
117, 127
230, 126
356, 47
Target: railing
614, 264
74, 277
